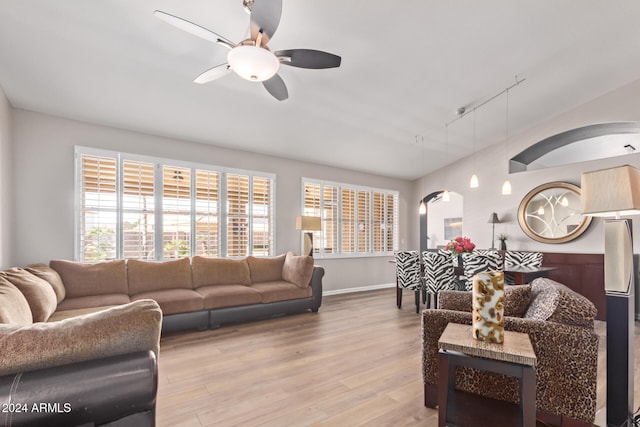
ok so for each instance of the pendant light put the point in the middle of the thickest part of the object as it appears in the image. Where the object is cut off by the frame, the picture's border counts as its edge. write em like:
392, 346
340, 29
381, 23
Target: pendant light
506, 187
422, 210
473, 183
445, 194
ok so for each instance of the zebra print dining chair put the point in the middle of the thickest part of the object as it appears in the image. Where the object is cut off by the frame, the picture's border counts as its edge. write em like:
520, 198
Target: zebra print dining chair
439, 274
408, 275
521, 259
478, 261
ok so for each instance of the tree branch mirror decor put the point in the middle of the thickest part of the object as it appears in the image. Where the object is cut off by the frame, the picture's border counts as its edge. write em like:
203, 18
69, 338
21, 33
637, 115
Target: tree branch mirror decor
550, 213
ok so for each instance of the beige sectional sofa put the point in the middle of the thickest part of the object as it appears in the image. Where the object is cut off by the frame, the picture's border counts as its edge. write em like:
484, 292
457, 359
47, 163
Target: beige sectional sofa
192, 293
88, 334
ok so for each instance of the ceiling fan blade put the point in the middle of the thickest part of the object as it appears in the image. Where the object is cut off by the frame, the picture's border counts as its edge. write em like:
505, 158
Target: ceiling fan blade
265, 18
213, 74
276, 87
194, 29
308, 58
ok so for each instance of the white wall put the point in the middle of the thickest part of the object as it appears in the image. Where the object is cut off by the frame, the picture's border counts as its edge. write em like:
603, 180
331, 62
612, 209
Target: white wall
44, 169
620, 105
6, 182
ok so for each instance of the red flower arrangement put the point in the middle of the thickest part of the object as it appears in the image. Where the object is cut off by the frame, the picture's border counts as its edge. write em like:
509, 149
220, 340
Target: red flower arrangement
459, 245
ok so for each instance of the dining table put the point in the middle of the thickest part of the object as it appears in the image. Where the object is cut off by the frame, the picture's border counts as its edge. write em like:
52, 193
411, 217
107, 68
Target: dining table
522, 275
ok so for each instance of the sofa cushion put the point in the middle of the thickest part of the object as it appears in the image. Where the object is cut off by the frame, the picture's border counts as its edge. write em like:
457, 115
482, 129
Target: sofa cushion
174, 301
38, 292
82, 279
91, 301
219, 271
47, 273
147, 276
516, 300
229, 295
554, 301
297, 269
281, 291
66, 314
14, 308
119, 330
265, 269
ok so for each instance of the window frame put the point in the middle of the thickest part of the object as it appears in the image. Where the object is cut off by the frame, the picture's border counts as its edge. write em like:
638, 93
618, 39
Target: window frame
354, 191
158, 164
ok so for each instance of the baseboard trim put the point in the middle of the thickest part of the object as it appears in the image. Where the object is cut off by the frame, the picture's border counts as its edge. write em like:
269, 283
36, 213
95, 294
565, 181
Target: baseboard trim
359, 289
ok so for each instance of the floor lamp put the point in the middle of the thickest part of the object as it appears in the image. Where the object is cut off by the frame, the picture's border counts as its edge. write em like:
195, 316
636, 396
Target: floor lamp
308, 224
493, 220
614, 193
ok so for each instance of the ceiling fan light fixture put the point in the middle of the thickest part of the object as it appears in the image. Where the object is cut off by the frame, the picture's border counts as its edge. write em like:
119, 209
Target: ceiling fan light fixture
253, 63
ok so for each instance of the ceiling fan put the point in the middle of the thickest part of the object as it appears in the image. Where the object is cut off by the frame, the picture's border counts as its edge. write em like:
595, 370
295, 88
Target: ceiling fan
251, 59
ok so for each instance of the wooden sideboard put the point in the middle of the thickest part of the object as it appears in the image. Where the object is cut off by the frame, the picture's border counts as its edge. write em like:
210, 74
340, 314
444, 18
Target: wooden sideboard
584, 273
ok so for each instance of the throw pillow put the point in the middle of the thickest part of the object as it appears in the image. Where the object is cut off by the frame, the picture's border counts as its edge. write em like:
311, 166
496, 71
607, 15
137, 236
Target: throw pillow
47, 273
555, 302
38, 292
265, 269
297, 269
14, 308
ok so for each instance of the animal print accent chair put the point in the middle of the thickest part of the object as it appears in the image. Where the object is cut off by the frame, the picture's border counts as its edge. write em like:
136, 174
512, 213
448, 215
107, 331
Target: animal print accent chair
408, 275
478, 261
559, 323
439, 274
521, 259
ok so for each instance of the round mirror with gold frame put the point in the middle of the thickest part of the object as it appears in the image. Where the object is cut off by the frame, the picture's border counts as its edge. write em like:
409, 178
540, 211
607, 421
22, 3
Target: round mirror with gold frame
550, 213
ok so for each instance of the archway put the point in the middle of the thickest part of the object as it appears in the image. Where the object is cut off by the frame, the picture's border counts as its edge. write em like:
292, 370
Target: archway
425, 220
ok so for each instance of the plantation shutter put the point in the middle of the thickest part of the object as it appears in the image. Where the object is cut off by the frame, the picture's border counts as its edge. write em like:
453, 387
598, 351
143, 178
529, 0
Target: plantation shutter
138, 209
261, 216
98, 219
348, 223
364, 221
237, 215
176, 212
330, 217
207, 213
392, 223
379, 222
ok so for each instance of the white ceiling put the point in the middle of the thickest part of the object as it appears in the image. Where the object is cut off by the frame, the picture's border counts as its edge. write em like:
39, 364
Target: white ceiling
406, 67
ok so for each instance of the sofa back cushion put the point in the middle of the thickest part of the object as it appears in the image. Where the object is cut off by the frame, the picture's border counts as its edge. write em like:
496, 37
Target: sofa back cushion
516, 300
38, 292
82, 279
14, 308
145, 276
265, 269
554, 301
297, 269
219, 271
47, 273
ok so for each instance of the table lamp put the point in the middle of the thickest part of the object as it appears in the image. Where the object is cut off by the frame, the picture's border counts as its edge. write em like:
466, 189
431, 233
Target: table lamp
613, 193
308, 224
493, 220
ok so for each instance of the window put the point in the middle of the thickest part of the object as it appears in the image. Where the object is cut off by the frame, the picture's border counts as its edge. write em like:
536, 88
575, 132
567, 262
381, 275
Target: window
356, 221
155, 209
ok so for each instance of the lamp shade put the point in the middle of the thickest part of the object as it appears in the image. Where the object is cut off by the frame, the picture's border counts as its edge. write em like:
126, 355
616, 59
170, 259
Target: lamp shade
308, 223
493, 219
611, 192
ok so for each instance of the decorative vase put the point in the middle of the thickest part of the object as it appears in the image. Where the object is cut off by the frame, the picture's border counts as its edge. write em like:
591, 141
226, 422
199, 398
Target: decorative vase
503, 245
488, 306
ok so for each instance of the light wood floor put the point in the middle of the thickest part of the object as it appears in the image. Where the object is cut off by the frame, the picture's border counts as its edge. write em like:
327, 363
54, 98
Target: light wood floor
356, 362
